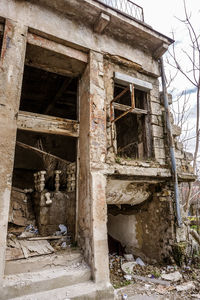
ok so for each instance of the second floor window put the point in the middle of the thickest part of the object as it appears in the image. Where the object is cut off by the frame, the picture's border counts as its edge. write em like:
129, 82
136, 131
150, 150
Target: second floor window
130, 115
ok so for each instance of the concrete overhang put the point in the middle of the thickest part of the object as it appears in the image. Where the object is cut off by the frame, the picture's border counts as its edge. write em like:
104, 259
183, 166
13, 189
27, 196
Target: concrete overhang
186, 177
122, 27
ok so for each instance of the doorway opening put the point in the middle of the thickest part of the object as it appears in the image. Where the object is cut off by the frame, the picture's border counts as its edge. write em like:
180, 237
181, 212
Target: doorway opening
42, 218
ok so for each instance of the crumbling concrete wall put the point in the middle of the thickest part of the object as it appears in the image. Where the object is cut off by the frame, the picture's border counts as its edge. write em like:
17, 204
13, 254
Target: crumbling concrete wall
107, 53
146, 230
11, 71
116, 64
92, 209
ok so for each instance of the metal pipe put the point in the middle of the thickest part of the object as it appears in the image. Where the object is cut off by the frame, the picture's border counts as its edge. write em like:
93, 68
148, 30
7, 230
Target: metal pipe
171, 145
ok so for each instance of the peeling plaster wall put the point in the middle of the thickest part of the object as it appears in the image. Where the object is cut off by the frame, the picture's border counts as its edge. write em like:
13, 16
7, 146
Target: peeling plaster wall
123, 191
92, 215
115, 64
146, 230
55, 24
11, 71
123, 228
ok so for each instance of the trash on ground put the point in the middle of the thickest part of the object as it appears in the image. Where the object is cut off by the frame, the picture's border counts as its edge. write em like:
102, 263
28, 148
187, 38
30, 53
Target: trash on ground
175, 276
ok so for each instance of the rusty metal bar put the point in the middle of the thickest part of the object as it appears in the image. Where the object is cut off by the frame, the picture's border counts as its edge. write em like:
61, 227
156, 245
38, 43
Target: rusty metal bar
121, 94
125, 7
132, 96
115, 99
131, 88
122, 115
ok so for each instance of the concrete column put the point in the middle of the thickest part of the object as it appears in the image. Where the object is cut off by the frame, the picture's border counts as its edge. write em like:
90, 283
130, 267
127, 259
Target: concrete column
92, 183
11, 72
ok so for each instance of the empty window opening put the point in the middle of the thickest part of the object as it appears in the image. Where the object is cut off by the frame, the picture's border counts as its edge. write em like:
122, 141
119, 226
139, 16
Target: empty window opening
43, 195
131, 129
49, 93
140, 97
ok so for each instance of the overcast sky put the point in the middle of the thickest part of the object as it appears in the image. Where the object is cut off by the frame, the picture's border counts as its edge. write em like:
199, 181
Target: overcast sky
162, 16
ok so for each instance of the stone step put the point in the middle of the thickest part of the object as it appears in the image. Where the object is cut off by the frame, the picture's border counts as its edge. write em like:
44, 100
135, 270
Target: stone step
82, 291
18, 285
43, 262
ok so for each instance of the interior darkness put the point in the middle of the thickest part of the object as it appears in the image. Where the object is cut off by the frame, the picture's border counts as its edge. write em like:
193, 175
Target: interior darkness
49, 93
140, 97
130, 129
1, 39
27, 161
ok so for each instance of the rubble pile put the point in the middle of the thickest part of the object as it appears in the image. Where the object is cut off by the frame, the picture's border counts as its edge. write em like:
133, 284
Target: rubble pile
134, 277
29, 243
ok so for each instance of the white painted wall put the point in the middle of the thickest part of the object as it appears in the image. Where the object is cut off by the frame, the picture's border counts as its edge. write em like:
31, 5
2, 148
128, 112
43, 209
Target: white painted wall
123, 229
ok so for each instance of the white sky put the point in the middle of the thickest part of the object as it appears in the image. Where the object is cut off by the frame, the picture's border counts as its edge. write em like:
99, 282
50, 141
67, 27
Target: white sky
162, 16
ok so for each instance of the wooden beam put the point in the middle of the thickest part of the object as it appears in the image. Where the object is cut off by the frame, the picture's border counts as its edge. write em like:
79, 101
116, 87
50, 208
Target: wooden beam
36, 40
48, 68
1, 28
47, 124
123, 107
25, 146
59, 93
101, 23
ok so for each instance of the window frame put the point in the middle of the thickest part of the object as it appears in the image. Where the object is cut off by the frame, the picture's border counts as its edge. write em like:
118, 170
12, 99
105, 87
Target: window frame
130, 83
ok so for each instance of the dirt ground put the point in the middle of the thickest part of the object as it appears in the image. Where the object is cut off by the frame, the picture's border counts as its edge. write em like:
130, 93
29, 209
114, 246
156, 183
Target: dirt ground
153, 286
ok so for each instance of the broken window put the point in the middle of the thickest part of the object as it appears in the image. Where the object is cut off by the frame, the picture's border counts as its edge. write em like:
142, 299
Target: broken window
129, 113
49, 93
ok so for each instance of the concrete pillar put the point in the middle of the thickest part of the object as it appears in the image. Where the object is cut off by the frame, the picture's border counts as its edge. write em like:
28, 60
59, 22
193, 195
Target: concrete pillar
92, 181
11, 72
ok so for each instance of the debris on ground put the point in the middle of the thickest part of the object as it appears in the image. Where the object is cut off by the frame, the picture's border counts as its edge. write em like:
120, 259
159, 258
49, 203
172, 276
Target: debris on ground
160, 282
127, 267
185, 286
129, 257
140, 262
28, 243
175, 276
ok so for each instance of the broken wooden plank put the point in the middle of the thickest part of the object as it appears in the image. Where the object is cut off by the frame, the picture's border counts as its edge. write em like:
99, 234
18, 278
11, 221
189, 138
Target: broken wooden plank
101, 23
47, 124
25, 146
37, 238
123, 107
24, 249
39, 41
14, 253
34, 248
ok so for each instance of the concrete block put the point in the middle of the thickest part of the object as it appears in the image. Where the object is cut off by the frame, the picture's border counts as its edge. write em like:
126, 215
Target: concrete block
188, 156
169, 98
158, 143
179, 145
156, 109
157, 131
179, 154
159, 153
161, 161
176, 130
156, 120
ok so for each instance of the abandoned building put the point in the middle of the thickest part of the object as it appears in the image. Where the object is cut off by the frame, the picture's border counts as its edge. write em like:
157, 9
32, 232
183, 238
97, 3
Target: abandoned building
85, 154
